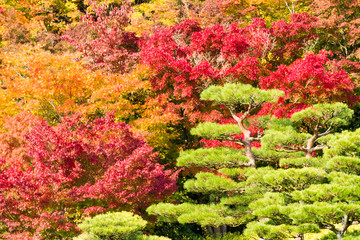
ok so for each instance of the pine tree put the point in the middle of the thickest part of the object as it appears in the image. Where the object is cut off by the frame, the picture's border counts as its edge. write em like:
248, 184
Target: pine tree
305, 129
308, 194
117, 225
227, 169
326, 195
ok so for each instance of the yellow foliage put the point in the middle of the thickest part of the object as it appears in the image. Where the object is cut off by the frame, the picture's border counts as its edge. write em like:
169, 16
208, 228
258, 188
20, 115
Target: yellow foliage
154, 13
55, 85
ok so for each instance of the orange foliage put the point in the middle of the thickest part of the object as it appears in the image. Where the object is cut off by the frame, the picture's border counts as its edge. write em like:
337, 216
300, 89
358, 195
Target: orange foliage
52, 86
12, 141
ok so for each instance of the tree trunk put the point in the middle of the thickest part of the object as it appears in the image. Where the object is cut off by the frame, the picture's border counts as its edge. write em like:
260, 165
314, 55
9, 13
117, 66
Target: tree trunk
300, 236
215, 232
339, 235
210, 230
247, 137
247, 144
223, 229
345, 225
310, 145
308, 154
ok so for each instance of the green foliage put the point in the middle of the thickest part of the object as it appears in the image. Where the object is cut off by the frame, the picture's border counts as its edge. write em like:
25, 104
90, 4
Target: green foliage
116, 226
275, 155
301, 162
328, 193
343, 178
283, 136
261, 206
349, 165
286, 180
177, 231
203, 214
235, 173
345, 143
352, 236
167, 212
242, 200
304, 202
207, 183
306, 130
262, 230
211, 130
214, 215
228, 199
323, 115
329, 236
212, 158
230, 236
239, 94
150, 237
320, 212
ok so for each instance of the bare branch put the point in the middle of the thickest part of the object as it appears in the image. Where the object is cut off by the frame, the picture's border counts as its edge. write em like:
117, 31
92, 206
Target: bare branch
292, 9
320, 147
294, 148
255, 138
328, 131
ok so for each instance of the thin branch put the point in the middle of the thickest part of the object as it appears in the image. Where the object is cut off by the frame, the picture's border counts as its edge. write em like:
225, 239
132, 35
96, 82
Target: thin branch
294, 148
255, 138
292, 9
240, 120
286, 150
262, 160
232, 139
328, 226
320, 147
328, 131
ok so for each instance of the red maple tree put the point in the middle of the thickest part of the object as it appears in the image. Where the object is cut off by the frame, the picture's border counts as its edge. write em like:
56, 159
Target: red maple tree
72, 169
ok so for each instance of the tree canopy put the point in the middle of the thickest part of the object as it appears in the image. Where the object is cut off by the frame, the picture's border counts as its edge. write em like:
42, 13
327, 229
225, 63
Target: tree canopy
237, 118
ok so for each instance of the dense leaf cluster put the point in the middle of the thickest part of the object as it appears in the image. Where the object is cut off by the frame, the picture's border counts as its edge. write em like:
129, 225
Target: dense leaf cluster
256, 102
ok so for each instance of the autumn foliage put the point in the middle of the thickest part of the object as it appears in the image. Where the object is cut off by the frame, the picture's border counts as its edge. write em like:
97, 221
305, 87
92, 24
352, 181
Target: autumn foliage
112, 47
94, 95
308, 81
76, 168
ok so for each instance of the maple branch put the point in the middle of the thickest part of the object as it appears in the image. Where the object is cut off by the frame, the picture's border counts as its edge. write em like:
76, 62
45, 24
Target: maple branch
292, 9
186, 5
20, 75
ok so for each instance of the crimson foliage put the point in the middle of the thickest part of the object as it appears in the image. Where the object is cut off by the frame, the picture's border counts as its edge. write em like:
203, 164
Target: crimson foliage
111, 47
186, 58
76, 169
309, 81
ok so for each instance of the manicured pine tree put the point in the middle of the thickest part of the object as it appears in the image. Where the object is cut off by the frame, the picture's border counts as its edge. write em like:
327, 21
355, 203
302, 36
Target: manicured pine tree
310, 194
304, 130
223, 181
116, 225
330, 201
